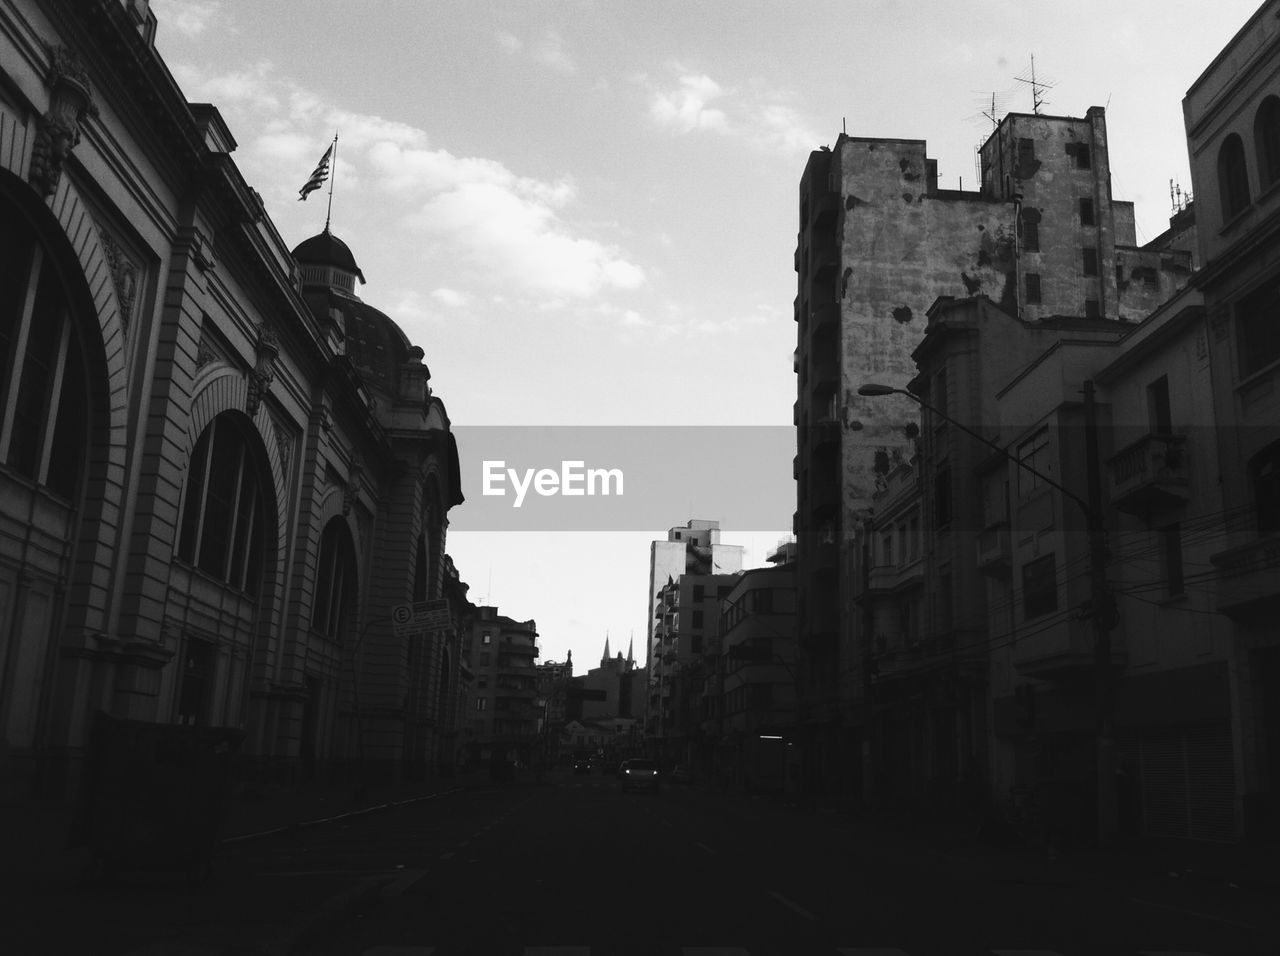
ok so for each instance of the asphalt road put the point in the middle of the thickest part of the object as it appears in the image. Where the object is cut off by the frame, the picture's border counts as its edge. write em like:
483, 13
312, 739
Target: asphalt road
576, 867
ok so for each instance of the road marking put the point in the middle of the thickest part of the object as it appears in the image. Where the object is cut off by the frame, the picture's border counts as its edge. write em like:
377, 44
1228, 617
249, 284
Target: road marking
1179, 909
398, 887
705, 847
790, 905
347, 872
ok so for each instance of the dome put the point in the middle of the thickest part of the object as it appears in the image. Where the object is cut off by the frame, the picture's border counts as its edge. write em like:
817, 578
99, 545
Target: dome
326, 249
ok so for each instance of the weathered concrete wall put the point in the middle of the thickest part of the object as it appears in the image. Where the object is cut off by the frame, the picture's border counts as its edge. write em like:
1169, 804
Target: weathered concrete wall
901, 249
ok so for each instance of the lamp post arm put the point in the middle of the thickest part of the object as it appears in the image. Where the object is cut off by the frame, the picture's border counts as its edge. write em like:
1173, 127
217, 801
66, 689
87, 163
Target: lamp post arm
1084, 505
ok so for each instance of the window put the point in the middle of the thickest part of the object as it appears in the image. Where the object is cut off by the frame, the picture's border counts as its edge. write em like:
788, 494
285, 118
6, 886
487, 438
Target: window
940, 394
1092, 310
334, 598
942, 497
1033, 288
1026, 157
1233, 177
695, 644
1082, 156
1158, 411
44, 399
722, 591
1171, 558
197, 676
1090, 261
699, 592
1030, 234
482, 703
224, 514
1266, 140
486, 638
1257, 317
886, 549
696, 619
1086, 212
1039, 587
1033, 458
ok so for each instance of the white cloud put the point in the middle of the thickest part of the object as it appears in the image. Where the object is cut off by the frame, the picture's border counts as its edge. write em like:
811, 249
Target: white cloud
548, 50
762, 116
686, 108
511, 231
189, 17
449, 297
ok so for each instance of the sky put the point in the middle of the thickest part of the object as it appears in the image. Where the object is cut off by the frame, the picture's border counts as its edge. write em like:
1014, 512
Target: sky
585, 211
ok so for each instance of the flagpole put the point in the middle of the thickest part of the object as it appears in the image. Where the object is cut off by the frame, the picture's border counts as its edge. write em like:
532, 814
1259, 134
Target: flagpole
332, 175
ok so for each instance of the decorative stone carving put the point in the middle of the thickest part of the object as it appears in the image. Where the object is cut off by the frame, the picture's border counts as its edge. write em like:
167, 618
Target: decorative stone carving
205, 352
352, 492
124, 276
58, 132
284, 443
263, 372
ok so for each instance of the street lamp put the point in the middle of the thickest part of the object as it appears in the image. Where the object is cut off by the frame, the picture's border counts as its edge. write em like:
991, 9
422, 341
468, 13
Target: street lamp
1102, 609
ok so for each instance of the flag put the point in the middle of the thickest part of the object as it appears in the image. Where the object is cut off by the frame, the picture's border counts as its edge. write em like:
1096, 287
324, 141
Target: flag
318, 177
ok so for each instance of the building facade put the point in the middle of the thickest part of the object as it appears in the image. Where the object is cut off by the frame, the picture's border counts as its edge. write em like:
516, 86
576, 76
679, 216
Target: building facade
880, 241
503, 714
1232, 116
211, 481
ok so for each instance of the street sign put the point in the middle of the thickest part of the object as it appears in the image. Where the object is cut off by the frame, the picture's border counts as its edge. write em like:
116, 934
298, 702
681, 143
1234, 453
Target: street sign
419, 618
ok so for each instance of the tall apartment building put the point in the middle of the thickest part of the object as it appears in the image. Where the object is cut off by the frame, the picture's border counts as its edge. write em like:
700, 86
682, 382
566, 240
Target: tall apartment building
503, 716
694, 548
1232, 115
880, 240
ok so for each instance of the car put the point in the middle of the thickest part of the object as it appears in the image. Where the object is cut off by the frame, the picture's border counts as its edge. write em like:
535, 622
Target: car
639, 773
582, 766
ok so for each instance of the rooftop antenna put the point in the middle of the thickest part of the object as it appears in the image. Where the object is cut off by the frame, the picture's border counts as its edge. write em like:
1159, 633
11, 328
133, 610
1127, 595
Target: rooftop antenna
1037, 87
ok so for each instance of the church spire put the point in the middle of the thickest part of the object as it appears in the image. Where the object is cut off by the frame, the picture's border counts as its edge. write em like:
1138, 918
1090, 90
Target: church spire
631, 658
605, 659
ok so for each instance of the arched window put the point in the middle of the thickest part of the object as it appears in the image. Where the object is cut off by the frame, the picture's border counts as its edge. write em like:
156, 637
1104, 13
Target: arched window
1266, 140
1233, 177
334, 599
44, 401
223, 515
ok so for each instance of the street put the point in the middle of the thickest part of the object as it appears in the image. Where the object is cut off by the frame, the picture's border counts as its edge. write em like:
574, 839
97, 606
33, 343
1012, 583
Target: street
576, 866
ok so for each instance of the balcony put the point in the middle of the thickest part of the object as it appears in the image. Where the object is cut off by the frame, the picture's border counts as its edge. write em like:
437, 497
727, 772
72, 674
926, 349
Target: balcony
994, 551
826, 209
1063, 650
886, 579
1150, 475
826, 436
514, 647
826, 323
1249, 578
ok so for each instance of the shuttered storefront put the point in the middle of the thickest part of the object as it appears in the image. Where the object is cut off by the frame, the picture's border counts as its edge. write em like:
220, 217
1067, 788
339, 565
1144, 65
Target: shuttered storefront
1185, 780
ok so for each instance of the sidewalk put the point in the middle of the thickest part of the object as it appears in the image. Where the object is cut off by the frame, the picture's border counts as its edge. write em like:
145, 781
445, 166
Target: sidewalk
52, 905
1233, 883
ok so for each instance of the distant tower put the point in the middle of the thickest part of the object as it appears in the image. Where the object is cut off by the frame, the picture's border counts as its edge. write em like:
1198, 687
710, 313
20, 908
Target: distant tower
605, 659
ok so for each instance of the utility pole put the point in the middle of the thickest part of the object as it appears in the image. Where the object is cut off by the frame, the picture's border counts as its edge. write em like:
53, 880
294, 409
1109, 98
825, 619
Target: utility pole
1103, 608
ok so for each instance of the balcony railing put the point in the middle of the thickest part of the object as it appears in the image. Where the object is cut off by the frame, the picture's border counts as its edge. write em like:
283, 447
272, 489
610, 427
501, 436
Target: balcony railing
1150, 475
1249, 577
